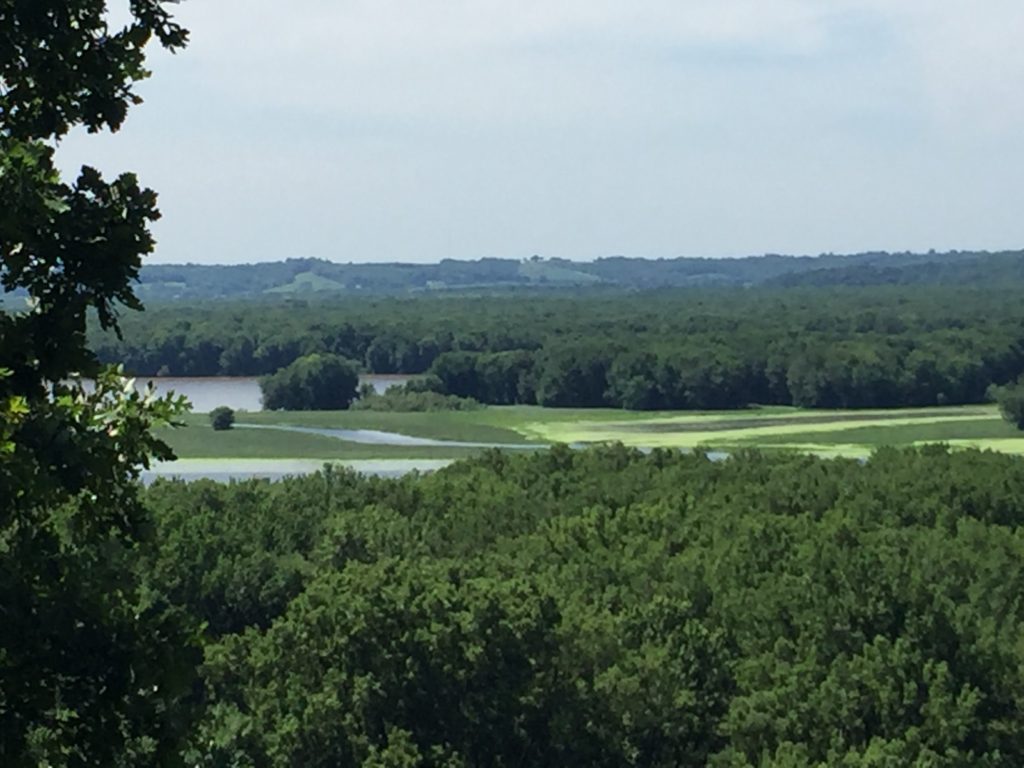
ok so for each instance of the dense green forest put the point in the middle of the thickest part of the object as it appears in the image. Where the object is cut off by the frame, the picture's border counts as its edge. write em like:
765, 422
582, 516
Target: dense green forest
317, 276
699, 348
606, 608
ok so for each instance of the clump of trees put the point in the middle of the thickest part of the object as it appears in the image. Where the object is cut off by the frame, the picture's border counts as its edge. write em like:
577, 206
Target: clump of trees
222, 418
417, 395
1011, 403
317, 382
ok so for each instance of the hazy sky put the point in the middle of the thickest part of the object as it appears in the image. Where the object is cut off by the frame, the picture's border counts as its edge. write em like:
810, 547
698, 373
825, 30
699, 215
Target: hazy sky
378, 130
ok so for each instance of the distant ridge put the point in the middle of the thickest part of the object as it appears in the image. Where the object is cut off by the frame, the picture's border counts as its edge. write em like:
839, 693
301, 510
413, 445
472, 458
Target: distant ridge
309, 277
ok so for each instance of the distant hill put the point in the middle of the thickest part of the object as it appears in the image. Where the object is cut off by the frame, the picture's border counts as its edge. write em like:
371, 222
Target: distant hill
945, 269
301, 277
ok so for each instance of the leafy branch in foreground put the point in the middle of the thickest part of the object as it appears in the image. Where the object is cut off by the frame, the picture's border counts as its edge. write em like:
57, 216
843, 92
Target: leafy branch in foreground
93, 670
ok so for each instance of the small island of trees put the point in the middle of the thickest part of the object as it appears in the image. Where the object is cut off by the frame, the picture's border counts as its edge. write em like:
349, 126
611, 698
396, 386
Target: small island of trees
317, 382
1011, 402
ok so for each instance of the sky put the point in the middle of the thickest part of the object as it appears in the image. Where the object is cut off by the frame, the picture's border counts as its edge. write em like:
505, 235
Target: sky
379, 130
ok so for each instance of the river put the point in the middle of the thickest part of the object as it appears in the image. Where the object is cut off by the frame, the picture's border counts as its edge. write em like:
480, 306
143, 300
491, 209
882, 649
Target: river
378, 437
225, 470
241, 393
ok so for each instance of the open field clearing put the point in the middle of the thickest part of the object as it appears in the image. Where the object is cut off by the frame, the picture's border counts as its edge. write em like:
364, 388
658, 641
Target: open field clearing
779, 427
841, 433
197, 440
488, 425
971, 428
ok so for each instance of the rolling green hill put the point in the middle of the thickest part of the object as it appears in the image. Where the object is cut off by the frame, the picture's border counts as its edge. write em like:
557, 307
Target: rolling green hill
308, 282
300, 276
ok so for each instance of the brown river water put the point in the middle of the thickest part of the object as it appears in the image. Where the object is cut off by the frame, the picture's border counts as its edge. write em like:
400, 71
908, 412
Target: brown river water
241, 393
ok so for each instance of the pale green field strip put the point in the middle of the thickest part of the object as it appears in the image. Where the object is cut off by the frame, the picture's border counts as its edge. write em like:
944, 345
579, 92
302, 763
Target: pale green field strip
991, 427
1003, 445
780, 413
592, 425
571, 433
988, 433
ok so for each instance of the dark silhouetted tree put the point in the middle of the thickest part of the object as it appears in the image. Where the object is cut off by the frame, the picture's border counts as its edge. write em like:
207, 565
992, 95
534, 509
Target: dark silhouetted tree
93, 669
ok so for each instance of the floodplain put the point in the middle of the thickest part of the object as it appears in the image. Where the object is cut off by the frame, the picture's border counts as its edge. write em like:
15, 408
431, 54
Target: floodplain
285, 435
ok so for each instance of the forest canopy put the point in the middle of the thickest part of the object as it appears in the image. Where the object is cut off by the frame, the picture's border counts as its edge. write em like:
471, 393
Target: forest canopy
683, 349
608, 608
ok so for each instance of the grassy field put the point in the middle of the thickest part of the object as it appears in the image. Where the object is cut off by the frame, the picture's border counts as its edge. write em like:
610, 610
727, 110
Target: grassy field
969, 428
848, 433
197, 440
488, 425
851, 433
757, 429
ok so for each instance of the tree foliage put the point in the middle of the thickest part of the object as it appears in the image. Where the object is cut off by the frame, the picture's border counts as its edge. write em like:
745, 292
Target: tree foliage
312, 383
411, 397
694, 349
1011, 403
609, 608
222, 418
93, 669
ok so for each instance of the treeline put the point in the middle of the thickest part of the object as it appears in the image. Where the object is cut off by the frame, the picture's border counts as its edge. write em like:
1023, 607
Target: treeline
867, 347
606, 608
297, 277
820, 372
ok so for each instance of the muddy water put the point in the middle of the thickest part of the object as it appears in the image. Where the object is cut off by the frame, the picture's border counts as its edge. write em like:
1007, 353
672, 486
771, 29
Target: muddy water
242, 393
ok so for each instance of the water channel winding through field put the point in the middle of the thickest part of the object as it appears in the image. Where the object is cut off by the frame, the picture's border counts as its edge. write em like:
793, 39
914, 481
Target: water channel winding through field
379, 437
224, 470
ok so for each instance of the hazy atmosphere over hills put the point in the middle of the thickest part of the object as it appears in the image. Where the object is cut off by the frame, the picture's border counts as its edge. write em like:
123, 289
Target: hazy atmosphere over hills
393, 131
311, 277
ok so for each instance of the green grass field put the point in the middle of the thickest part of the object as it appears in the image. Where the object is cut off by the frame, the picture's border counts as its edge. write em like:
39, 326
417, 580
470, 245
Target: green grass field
850, 433
308, 282
197, 440
935, 432
488, 425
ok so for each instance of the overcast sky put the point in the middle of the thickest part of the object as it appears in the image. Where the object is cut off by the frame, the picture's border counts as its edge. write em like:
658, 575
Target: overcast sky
377, 130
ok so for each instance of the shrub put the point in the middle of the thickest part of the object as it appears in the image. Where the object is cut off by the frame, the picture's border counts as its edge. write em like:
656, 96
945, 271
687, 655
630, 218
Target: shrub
427, 383
222, 418
409, 400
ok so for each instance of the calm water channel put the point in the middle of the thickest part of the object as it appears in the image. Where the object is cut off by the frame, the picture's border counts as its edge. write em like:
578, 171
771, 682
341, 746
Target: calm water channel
241, 393
225, 470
